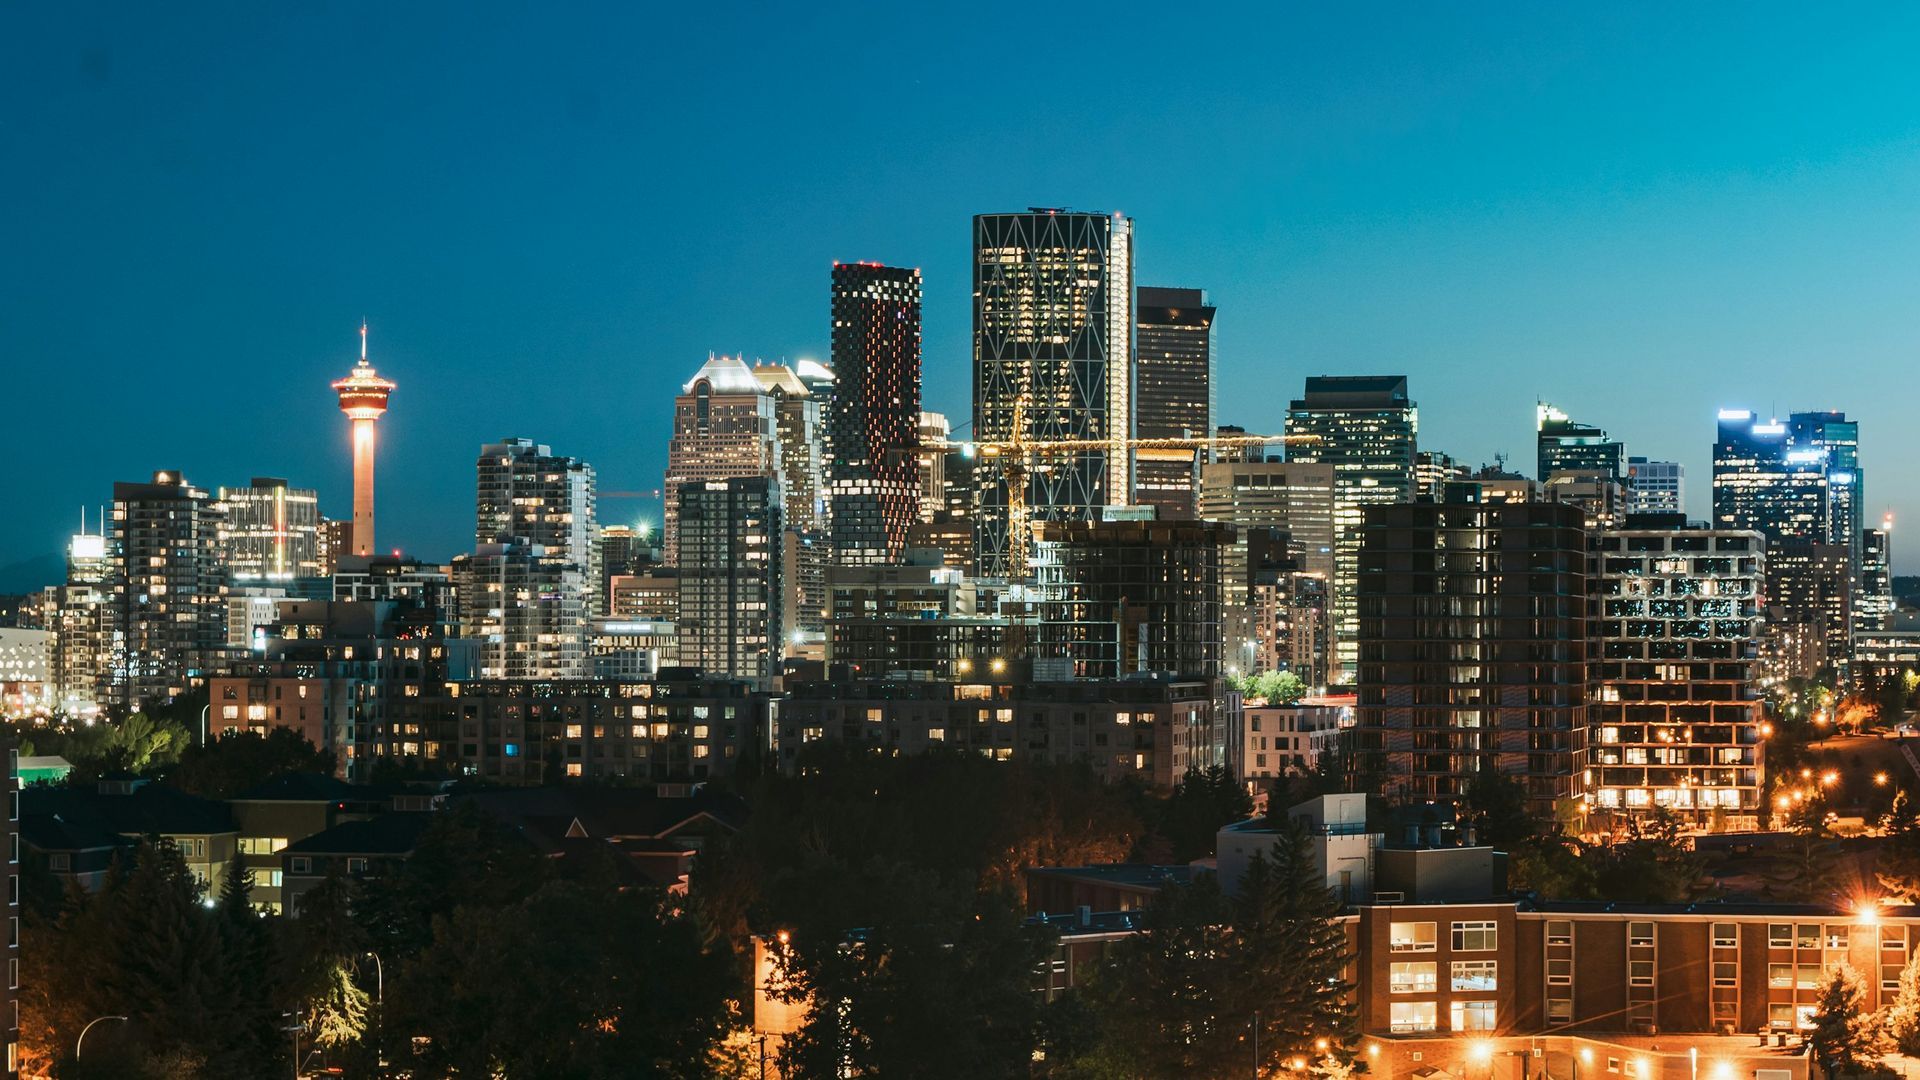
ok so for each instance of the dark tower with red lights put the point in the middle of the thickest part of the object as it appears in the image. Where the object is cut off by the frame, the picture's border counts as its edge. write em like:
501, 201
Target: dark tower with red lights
873, 424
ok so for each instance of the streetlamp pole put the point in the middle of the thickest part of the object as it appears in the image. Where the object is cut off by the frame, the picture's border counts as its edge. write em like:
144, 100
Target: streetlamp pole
83, 1033
380, 1005
204, 710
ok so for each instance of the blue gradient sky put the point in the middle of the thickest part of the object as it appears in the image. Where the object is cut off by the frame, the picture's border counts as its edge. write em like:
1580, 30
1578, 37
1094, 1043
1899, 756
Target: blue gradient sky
551, 214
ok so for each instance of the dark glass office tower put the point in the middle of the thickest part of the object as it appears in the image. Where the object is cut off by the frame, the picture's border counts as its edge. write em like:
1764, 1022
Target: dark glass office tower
1052, 361
1566, 445
1173, 393
873, 418
1365, 426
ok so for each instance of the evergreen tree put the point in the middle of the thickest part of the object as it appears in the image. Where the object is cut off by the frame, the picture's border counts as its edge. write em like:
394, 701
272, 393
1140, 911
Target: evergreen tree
1844, 1034
1289, 951
1903, 1015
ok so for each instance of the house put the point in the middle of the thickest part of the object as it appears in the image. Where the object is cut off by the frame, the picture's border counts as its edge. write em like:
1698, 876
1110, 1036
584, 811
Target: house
288, 809
364, 848
201, 830
658, 831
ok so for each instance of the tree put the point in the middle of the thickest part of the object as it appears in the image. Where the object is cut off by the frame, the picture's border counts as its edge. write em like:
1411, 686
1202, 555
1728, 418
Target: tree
1497, 804
572, 980
237, 760
1160, 995
1903, 1015
1211, 976
889, 960
1897, 862
1844, 1034
1202, 802
1270, 687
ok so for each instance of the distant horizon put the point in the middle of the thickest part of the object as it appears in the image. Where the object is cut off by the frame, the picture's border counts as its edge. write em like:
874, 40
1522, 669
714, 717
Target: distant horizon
1642, 216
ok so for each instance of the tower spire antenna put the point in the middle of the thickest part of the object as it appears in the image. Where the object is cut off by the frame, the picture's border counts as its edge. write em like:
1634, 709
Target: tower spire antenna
363, 341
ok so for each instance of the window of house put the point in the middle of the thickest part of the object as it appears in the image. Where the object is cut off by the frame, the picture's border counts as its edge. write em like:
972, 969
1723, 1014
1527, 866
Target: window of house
1639, 973
1806, 976
356, 866
1890, 976
1412, 978
1726, 973
1780, 1016
1411, 936
1726, 1010
1837, 935
1779, 976
1559, 973
1559, 933
1475, 975
1613, 1065
1559, 1010
302, 864
1639, 934
1473, 1015
1726, 935
1893, 938
1474, 936
1779, 936
1806, 936
60, 862
1409, 1016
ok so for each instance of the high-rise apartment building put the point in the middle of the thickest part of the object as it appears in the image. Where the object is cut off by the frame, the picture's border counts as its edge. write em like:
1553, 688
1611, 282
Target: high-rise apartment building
1810, 594
269, 531
874, 478
525, 608
730, 618
1473, 648
1131, 596
935, 445
528, 588
1675, 618
1655, 487
1295, 496
1173, 394
1052, 360
725, 424
1365, 426
169, 589
87, 641
1565, 444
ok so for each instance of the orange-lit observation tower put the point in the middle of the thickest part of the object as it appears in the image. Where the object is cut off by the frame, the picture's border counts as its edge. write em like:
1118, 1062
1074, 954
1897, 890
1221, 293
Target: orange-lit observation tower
363, 397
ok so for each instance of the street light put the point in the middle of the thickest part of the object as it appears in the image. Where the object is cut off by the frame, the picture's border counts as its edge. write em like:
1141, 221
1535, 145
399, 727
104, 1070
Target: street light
89, 1027
380, 1005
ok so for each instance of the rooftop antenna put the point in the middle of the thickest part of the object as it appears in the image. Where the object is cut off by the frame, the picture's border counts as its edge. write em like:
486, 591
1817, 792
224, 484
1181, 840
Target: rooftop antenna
363, 341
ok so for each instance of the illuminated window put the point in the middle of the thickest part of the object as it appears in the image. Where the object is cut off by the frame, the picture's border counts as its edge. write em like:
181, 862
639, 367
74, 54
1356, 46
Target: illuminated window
1412, 978
1411, 936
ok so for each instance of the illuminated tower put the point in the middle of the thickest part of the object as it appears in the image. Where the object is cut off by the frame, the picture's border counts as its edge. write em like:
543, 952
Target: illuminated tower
363, 397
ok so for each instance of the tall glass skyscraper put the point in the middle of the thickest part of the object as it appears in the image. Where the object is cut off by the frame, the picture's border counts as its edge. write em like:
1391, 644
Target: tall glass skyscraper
873, 422
1052, 360
1365, 426
1173, 393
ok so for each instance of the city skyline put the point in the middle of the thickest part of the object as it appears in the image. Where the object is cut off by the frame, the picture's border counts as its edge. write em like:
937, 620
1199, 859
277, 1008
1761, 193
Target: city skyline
1490, 284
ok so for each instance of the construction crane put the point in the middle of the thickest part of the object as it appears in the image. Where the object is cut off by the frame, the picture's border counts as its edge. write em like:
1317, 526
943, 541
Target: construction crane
1016, 456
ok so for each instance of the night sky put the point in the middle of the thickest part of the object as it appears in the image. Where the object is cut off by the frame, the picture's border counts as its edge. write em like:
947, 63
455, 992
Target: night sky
550, 214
